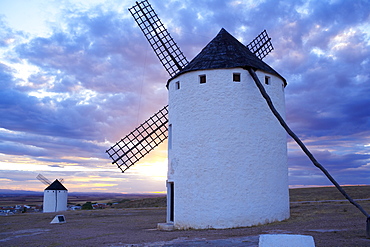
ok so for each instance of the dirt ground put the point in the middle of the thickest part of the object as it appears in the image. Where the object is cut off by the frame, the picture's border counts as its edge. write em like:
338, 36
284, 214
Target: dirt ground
333, 223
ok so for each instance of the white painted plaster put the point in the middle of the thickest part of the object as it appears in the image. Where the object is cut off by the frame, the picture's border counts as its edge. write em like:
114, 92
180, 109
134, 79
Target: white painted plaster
228, 153
285, 240
55, 200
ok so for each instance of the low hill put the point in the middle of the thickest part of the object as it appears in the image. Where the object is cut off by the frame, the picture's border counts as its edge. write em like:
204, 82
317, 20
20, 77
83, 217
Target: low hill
159, 200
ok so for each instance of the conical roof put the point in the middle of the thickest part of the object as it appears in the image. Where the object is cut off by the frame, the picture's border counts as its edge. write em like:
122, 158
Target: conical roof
56, 185
225, 51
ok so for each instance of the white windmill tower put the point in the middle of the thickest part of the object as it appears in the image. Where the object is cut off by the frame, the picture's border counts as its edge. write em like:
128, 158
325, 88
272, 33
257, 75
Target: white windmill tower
55, 195
227, 154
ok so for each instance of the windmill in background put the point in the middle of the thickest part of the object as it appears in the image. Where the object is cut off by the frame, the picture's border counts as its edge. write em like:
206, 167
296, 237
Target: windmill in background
55, 195
227, 155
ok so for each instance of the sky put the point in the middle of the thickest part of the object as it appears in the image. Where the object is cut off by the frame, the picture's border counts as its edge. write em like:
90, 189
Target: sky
76, 76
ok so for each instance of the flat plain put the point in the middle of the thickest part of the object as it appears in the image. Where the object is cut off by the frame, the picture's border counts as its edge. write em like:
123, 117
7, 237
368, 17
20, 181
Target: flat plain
320, 212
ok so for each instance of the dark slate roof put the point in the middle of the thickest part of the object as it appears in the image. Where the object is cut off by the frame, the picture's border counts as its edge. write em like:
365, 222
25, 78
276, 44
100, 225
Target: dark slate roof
225, 51
56, 185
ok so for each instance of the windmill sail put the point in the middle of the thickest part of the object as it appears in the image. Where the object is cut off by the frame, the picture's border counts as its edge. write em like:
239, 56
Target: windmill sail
140, 141
158, 37
43, 179
261, 45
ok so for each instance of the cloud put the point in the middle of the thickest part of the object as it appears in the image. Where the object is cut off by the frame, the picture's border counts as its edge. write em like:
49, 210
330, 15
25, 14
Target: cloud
341, 167
67, 96
5, 77
7, 35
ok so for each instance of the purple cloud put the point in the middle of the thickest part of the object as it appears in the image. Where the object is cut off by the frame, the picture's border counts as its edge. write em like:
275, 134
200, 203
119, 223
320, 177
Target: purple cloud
97, 78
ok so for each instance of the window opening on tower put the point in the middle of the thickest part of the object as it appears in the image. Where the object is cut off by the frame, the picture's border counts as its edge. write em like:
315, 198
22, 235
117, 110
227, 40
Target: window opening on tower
267, 80
202, 79
177, 85
236, 77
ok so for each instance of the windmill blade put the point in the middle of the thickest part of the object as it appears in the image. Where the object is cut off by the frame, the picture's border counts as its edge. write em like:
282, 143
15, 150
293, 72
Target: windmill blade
158, 37
141, 141
261, 45
43, 179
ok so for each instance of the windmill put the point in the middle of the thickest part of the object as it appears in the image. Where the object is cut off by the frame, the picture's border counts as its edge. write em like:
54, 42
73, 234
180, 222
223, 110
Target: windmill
257, 198
55, 195
227, 155
153, 131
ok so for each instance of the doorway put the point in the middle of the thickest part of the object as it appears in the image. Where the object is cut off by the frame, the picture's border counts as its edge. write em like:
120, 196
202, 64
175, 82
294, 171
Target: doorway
170, 201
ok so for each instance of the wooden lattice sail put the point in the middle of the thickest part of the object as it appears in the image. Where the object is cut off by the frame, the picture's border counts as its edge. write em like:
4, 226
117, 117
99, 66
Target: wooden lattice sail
261, 46
140, 141
159, 38
152, 132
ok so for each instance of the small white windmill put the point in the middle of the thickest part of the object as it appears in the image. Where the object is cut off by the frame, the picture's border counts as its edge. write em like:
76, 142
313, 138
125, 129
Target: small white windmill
227, 154
55, 195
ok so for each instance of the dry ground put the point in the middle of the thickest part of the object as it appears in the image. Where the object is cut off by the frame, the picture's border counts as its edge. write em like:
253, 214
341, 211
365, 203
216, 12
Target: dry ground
330, 223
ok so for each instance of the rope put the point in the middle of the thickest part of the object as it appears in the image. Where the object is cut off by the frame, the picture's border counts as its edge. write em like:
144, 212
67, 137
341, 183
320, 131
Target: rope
300, 143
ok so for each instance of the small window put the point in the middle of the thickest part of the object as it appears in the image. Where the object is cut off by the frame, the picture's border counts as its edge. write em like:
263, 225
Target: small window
236, 77
202, 79
177, 85
267, 80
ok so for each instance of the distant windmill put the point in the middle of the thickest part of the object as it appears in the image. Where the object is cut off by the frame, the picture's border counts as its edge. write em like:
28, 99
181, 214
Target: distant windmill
55, 195
227, 155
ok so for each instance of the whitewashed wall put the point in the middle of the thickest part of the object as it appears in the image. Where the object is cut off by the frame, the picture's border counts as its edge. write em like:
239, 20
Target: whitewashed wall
227, 152
55, 200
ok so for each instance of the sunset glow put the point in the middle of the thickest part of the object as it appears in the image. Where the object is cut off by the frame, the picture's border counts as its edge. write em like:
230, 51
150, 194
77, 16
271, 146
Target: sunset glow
76, 76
